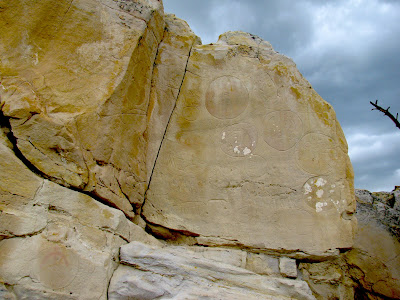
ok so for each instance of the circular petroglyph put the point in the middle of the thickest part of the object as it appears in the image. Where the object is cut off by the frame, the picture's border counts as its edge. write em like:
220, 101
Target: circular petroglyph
226, 97
56, 266
238, 140
282, 129
321, 195
316, 153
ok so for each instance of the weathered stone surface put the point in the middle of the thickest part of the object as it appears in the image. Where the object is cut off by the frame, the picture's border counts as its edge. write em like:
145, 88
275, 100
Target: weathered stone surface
329, 280
370, 270
262, 264
75, 81
375, 260
169, 70
101, 99
74, 252
288, 267
55, 243
259, 161
178, 273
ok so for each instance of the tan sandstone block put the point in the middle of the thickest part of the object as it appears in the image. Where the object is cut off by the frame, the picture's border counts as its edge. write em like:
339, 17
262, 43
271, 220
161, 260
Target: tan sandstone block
259, 161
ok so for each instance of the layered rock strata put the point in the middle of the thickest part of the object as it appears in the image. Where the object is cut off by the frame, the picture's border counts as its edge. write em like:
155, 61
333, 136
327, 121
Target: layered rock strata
113, 115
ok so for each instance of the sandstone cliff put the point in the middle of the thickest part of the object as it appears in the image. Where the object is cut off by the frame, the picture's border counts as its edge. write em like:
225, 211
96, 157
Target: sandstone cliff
138, 163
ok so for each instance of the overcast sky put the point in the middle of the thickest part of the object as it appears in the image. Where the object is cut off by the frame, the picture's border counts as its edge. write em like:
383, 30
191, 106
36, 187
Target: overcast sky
349, 50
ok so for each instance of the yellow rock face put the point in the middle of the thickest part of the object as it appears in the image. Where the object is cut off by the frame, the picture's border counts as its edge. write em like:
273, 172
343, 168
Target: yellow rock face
227, 142
75, 81
253, 155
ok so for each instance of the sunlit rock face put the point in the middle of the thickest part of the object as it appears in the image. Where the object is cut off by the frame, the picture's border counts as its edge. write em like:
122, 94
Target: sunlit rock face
252, 155
76, 79
115, 119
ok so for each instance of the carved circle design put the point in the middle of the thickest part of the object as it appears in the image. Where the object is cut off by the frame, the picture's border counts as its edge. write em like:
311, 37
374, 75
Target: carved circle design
238, 140
282, 129
322, 195
57, 266
316, 153
226, 97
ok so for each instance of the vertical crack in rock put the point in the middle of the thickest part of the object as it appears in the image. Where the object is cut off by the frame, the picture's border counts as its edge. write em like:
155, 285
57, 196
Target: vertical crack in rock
167, 126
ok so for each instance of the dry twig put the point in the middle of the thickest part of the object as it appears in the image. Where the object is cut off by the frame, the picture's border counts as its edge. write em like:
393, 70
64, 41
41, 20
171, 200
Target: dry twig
386, 112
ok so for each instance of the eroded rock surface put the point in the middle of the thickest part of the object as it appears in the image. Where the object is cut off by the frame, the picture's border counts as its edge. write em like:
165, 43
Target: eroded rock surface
375, 260
112, 111
370, 270
55, 243
180, 273
76, 79
252, 155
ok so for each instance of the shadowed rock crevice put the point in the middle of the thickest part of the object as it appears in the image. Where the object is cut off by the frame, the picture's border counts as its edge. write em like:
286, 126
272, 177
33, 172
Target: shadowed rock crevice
7, 129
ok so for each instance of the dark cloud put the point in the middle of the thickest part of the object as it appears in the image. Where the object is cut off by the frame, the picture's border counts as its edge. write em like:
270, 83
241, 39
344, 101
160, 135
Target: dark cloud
348, 51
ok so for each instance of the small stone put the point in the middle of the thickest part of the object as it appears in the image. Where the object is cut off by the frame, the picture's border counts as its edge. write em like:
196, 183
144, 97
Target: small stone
288, 267
364, 196
262, 264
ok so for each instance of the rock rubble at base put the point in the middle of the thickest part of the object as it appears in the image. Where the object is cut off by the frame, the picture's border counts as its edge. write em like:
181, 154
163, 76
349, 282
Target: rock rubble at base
179, 273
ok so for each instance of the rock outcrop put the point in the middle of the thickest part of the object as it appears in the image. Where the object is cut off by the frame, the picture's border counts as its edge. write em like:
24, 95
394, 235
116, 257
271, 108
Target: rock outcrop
137, 163
249, 140
370, 270
76, 79
179, 273
375, 260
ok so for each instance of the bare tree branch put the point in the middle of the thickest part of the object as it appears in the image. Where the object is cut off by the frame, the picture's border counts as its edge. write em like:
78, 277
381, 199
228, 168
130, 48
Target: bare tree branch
386, 112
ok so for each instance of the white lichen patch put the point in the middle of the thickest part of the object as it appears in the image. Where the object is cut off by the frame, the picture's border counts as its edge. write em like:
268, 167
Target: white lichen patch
223, 135
307, 189
319, 206
236, 150
246, 151
320, 182
319, 193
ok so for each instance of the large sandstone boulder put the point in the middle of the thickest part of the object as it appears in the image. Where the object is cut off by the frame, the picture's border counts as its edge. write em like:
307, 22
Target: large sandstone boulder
76, 79
56, 243
112, 111
252, 156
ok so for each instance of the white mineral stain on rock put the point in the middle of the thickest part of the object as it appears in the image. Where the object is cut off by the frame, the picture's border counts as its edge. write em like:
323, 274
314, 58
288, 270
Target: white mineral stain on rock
319, 206
320, 182
319, 193
236, 150
223, 135
307, 189
246, 151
